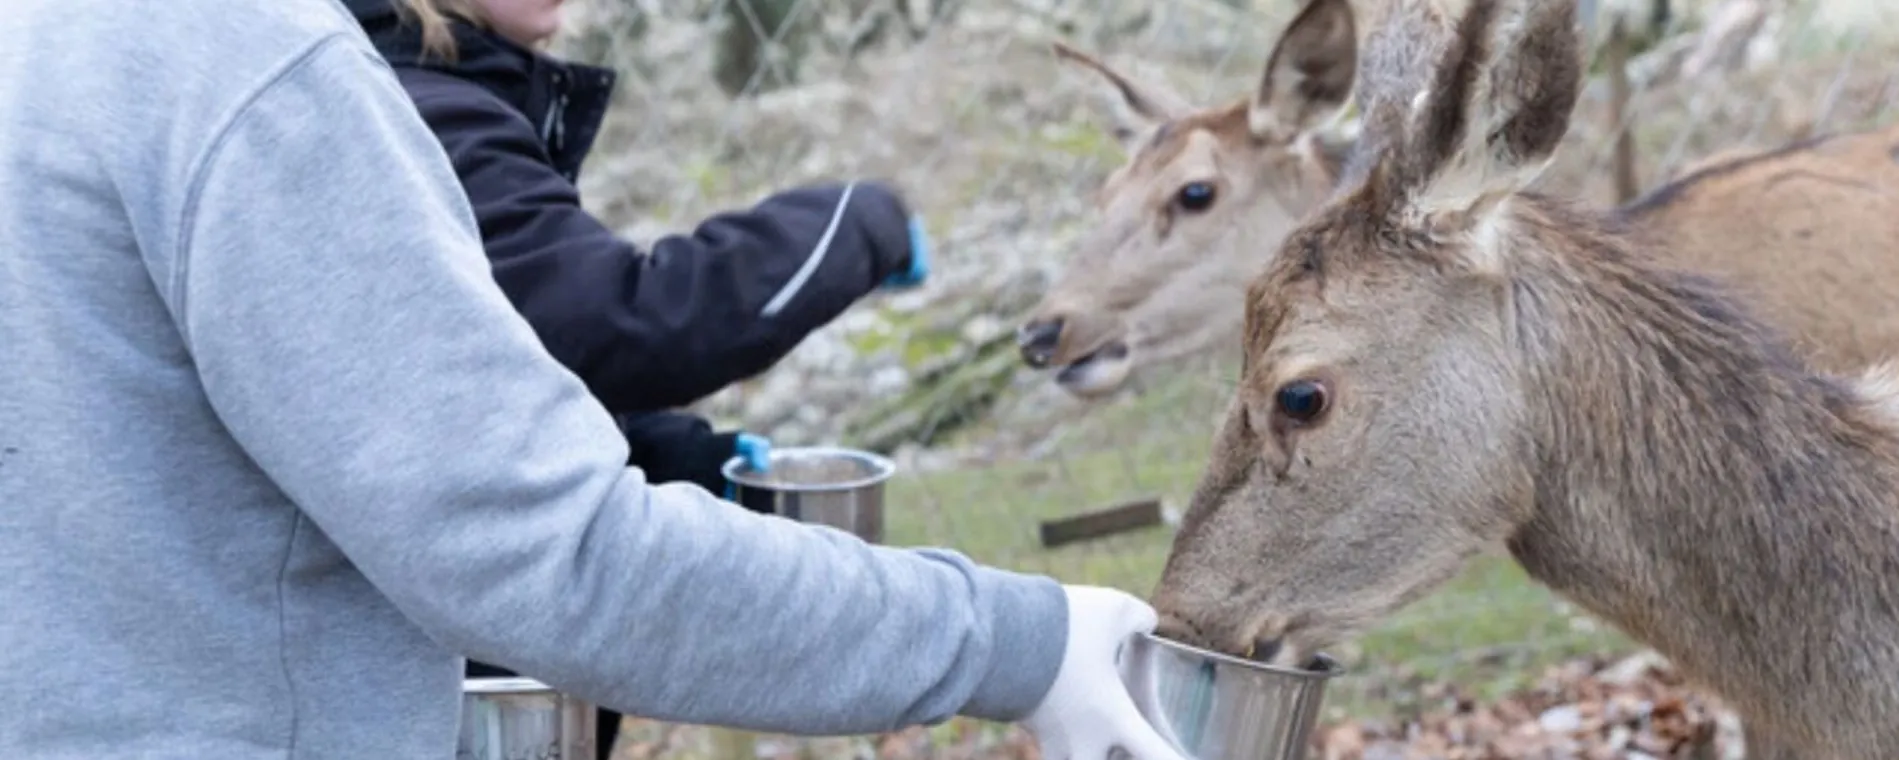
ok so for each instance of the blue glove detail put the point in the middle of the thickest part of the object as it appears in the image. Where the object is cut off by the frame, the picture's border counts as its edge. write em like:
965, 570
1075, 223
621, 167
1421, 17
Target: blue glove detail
919, 258
756, 449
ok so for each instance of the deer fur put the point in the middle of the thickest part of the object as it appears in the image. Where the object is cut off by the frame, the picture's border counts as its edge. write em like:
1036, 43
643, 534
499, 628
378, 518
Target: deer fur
1497, 366
1810, 231
1807, 234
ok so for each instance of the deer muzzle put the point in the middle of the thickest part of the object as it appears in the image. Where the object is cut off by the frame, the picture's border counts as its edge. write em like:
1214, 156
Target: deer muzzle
1038, 340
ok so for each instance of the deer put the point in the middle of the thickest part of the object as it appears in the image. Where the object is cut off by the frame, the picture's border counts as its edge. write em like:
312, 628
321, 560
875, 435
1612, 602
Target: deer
1440, 359
1162, 264
1809, 229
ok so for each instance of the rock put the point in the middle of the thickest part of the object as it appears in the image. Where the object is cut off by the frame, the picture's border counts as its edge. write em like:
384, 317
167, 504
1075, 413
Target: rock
886, 380
809, 415
909, 301
983, 328
796, 433
858, 321
1633, 668
774, 401
1561, 719
826, 352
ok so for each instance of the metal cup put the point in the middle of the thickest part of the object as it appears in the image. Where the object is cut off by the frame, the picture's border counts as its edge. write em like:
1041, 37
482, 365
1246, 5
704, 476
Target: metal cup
1214, 707
523, 719
828, 485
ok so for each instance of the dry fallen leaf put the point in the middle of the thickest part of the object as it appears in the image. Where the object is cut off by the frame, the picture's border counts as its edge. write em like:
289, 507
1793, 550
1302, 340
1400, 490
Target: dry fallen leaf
1583, 709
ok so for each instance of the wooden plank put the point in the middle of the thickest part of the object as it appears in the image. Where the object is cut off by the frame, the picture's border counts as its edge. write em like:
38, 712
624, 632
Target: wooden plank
1107, 522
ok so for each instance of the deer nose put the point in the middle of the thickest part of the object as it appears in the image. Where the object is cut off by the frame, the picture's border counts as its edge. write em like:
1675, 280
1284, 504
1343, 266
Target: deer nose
1265, 648
1038, 339
1173, 628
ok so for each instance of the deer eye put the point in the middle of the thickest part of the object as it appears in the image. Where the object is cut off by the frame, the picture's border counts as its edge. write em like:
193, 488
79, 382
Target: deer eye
1194, 196
1302, 401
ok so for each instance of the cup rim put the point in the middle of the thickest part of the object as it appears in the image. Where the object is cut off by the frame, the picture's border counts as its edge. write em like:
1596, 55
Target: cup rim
1331, 666
882, 468
504, 685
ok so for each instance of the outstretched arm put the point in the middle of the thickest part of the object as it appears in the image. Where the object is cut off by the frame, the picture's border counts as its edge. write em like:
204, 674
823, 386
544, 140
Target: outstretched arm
666, 327
345, 324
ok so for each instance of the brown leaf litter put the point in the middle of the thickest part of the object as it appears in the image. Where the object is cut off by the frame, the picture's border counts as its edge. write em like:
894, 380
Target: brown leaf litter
1583, 709
1637, 708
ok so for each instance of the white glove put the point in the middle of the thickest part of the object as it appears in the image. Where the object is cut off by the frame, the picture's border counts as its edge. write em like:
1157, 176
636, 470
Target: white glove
1087, 711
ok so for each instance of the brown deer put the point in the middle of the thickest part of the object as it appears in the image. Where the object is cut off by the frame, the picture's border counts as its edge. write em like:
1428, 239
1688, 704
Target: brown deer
1165, 261
1438, 361
1808, 231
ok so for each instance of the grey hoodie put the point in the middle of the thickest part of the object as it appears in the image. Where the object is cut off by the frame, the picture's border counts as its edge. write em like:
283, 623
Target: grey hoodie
275, 451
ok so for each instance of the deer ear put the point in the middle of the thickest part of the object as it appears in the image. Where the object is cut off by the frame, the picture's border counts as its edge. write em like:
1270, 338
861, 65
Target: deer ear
1496, 108
1309, 74
1138, 107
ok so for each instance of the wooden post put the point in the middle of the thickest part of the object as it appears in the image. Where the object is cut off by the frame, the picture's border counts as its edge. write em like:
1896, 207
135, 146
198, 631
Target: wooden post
1117, 519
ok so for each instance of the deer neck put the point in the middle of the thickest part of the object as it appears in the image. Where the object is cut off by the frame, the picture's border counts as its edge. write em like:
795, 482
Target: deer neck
1699, 487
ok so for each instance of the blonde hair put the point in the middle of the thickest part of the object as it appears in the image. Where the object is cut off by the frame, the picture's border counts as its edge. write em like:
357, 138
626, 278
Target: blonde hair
433, 16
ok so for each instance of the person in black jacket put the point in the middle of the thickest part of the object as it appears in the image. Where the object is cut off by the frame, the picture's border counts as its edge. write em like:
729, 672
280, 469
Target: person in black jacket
647, 331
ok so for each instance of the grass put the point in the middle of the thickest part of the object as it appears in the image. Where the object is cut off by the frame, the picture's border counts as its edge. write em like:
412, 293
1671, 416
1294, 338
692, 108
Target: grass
1490, 630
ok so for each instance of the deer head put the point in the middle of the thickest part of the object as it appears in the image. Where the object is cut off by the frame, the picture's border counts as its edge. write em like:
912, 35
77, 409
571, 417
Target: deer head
1379, 433
1181, 224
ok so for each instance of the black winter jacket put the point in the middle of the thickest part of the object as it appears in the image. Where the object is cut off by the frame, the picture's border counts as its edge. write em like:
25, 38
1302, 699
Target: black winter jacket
645, 330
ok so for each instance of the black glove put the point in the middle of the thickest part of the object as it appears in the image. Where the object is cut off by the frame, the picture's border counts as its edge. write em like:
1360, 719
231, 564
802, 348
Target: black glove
673, 446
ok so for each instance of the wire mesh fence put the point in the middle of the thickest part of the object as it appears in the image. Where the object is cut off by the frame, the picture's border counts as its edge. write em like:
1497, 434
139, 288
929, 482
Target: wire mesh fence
962, 105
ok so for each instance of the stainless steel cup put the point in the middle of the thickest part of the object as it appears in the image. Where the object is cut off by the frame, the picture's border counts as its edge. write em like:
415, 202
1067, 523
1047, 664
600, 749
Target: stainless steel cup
523, 719
1215, 707
839, 487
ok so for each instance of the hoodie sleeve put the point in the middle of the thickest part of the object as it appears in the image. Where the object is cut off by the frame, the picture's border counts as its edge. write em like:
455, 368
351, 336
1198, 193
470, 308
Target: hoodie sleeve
346, 329
661, 328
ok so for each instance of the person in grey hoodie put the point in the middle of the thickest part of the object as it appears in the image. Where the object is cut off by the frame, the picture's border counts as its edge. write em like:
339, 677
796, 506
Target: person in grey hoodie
276, 452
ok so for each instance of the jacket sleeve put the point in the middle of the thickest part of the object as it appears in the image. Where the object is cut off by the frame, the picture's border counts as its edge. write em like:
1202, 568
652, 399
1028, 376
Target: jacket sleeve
699, 311
349, 334
671, 446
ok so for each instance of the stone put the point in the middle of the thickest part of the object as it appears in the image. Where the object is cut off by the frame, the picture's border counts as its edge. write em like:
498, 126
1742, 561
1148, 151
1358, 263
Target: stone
983, 328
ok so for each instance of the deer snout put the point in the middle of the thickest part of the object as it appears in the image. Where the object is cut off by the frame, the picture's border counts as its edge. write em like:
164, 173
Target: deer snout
1038, 340
1224, 627
1261, 649
1265, 649
1177, 626
1173, 628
